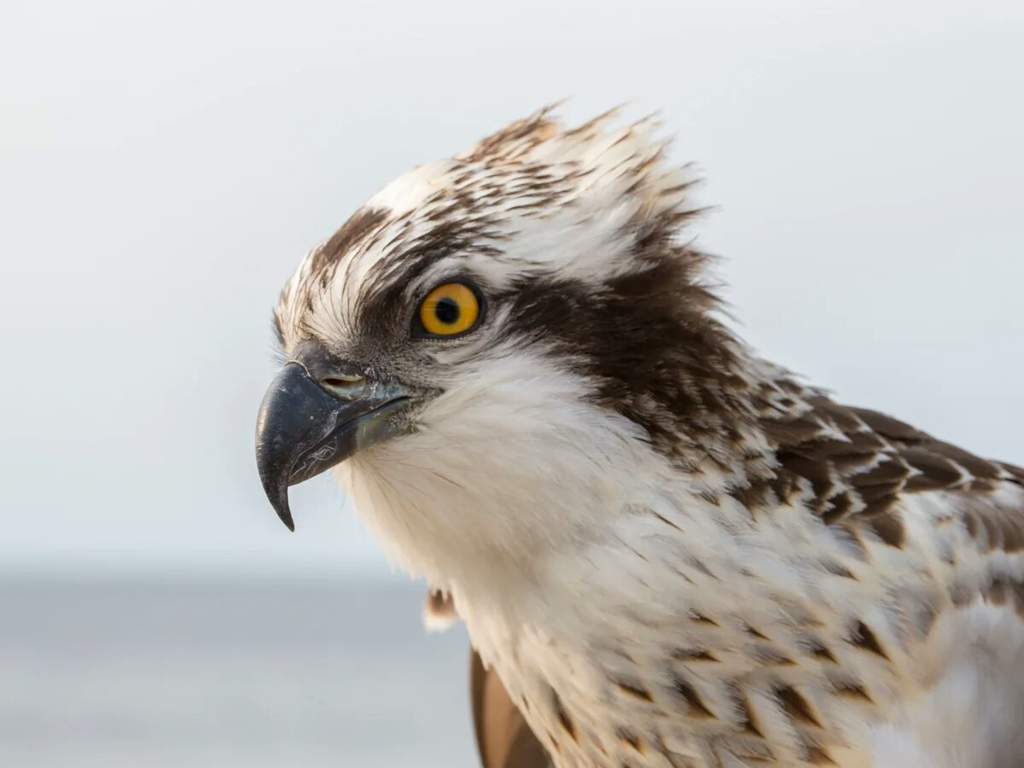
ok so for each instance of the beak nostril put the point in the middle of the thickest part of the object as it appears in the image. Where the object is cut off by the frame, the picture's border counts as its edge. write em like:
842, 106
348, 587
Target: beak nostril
341, 381
343, 385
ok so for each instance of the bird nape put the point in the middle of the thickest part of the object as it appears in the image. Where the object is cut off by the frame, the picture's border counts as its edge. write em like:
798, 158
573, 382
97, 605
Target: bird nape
667, 551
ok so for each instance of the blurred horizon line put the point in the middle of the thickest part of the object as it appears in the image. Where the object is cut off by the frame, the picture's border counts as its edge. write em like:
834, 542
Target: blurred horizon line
277, 570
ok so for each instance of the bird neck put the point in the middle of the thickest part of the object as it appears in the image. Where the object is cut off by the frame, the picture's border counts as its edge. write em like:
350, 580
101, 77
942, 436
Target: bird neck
478, 501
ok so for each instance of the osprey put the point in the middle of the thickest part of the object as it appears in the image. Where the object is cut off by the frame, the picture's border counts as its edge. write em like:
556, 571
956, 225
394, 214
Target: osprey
672, 552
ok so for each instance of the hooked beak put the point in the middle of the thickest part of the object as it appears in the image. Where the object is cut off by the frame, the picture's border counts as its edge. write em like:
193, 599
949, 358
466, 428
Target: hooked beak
305, 427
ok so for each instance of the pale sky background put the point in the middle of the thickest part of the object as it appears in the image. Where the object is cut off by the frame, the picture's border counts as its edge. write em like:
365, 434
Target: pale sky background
165, 165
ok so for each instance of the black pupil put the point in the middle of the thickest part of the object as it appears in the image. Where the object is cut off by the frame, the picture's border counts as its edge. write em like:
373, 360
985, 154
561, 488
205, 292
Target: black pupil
447, 311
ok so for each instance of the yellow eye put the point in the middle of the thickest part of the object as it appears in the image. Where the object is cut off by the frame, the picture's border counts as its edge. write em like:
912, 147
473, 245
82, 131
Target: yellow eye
449, 310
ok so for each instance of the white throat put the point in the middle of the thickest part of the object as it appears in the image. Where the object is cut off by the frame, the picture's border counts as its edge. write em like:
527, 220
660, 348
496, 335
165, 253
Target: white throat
500, 475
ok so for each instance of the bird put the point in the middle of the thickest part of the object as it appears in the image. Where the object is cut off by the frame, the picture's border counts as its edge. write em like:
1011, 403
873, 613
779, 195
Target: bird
667, 550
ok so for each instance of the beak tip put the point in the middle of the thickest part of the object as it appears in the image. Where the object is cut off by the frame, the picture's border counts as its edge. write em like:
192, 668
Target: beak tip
283, 510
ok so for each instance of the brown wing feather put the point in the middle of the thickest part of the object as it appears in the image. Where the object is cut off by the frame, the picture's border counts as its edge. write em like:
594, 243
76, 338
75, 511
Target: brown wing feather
503, 738
859, 463
1017, 472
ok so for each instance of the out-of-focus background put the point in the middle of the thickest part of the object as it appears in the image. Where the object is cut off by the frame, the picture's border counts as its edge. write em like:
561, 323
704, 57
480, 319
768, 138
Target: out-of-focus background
164, 166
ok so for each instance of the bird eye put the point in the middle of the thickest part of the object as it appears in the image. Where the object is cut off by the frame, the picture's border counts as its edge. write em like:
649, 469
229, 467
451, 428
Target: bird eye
448, 310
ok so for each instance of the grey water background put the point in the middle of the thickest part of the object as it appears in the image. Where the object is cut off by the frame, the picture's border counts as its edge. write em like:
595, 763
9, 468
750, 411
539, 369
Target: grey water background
164, 166
163, 673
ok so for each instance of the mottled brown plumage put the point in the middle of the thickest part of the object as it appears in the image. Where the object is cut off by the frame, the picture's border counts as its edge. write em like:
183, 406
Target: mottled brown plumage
859, 464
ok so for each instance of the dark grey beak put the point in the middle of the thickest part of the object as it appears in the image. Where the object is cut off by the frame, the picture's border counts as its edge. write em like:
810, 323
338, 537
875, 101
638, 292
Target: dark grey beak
305, 428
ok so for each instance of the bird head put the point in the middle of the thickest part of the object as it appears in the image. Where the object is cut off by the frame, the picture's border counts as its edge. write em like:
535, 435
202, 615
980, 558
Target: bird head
498, 349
